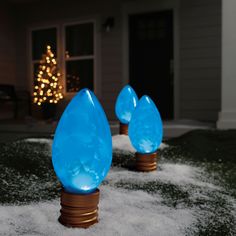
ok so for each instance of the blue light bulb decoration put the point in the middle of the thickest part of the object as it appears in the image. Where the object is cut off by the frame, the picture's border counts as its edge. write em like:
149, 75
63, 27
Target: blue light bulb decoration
146, 133
82, 146
125, 104
81, 157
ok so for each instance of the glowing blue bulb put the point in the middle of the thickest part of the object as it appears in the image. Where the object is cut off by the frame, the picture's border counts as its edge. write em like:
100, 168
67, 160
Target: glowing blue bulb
145, 128
82, 145
125, 104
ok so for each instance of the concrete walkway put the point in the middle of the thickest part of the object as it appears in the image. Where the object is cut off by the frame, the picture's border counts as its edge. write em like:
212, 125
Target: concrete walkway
174, 128
11, 129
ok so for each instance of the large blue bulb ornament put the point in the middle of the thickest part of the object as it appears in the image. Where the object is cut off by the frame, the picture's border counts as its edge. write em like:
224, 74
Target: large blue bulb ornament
145, 128
125, 104
82, 145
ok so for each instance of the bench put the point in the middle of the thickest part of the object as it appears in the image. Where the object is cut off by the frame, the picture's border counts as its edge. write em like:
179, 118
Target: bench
9, 94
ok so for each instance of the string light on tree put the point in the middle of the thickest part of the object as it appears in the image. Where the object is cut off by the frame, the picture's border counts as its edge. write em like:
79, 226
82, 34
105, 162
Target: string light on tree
48, 88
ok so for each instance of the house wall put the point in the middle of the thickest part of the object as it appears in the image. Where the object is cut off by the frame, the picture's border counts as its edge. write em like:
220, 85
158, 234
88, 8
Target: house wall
7, 46
199, 40
69, 11
200, 59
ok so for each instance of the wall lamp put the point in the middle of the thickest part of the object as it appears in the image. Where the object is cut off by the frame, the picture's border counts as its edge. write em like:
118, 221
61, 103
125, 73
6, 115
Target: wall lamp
108, 24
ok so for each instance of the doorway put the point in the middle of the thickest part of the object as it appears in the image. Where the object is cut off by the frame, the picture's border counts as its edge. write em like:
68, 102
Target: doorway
151, 58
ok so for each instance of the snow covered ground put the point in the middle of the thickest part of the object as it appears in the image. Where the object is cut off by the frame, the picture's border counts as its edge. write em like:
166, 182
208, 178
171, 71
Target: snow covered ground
121, 144
172, 201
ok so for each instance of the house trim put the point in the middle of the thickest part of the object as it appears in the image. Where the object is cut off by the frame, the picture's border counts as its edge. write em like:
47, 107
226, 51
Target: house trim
227, 115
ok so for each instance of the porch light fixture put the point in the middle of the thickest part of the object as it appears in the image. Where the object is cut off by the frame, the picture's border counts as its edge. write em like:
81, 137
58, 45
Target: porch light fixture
125, 105
108, 24
145, 133
81, 157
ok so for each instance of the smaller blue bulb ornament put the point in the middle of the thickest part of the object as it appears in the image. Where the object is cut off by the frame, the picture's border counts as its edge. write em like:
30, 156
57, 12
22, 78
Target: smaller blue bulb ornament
125, 104
82, 145
145, 128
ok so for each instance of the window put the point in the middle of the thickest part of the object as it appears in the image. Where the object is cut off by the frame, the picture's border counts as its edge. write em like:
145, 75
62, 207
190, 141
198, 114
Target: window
40, 39
78, 62
79, 74
79, 56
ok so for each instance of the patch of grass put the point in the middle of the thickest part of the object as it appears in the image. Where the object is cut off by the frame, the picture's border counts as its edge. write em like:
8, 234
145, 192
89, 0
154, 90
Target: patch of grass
208, 145
213, 150
26, 158
26, 173
123, 160
215, 217
173, 195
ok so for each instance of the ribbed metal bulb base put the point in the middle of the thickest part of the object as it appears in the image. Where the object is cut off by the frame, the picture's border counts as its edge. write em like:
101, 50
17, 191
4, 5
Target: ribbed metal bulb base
146, 162
79, 210
123, 129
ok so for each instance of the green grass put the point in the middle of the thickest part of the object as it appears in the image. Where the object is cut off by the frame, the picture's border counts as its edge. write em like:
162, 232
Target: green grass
26, 173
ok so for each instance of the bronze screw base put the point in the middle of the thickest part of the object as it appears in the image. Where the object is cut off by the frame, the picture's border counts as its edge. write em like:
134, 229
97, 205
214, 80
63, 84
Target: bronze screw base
146, 162
78, 210
123, 129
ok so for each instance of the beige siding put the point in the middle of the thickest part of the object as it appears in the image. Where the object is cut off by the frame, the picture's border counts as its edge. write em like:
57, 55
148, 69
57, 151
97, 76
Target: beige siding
200, 58
111, 69
7, 46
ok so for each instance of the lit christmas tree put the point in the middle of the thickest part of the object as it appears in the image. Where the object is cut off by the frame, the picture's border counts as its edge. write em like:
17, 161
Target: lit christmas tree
47, 88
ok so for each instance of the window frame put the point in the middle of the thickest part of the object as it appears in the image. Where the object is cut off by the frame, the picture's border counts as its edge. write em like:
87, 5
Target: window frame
61, 40
30, 54
77, 58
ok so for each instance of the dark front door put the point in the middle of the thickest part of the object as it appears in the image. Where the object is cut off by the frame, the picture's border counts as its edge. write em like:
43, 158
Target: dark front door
151, 58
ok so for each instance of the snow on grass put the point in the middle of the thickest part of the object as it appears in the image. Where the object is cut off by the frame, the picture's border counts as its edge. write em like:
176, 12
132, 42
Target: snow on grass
177, 199
121, 212
46, 141
39, 140
121, 143
178, 174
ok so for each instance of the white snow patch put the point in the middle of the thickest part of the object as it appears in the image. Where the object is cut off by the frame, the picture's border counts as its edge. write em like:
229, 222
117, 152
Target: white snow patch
46, 141
121, 212
122, 144
163, 146
39, 140
177, 174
